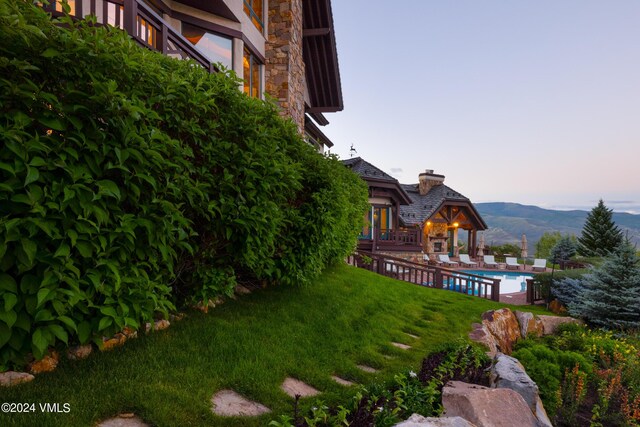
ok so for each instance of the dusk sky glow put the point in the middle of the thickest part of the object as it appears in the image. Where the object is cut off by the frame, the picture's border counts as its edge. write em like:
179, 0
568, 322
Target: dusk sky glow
534, 102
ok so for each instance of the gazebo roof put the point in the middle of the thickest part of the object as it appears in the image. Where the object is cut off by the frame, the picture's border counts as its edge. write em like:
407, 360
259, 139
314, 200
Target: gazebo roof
424, 207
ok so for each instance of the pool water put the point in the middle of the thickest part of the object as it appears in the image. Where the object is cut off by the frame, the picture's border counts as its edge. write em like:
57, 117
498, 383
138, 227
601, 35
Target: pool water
510, 281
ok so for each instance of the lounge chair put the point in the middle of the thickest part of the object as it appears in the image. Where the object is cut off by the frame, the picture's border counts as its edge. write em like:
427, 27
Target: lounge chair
466, 261
443, 258
490, 261
513, 262
539, 264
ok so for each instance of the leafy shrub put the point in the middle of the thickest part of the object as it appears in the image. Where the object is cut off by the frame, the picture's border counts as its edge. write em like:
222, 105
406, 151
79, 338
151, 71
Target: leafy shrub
548, 281
131, 182
586, 377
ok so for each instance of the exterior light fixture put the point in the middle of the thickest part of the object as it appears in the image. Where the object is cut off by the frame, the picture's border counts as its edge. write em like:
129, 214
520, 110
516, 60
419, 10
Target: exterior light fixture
455, 224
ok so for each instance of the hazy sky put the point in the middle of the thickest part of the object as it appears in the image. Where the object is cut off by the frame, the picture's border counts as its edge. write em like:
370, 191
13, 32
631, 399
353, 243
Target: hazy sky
535, 102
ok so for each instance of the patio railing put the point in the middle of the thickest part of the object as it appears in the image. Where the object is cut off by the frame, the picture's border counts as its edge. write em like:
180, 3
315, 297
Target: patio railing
385, 239
141, 22
426, 275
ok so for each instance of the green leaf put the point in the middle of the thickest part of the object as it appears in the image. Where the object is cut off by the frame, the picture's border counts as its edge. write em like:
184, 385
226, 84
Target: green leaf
69, 322
39, 342
8, 283
59, 332
44, 295
50, 53
43, 316
9, 317
84, 332
109, 311
7, 167
10, 300
5, 334
52, 123
63, 251
29, 247
109, 188
85, 249
105, 322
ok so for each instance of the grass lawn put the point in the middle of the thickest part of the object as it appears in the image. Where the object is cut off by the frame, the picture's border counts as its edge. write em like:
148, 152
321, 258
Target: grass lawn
348, 317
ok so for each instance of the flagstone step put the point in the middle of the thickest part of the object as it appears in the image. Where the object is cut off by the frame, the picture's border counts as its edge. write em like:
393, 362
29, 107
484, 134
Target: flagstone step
368, 369
294, 387
342, 381
228, 403
124, 420
402, 346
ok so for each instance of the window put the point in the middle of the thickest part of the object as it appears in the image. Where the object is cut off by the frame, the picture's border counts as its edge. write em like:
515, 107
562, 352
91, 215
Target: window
253, 9
215, 47
251, 74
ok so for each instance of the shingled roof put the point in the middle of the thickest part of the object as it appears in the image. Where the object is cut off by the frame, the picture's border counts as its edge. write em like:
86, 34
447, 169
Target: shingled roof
423, 207
367, 170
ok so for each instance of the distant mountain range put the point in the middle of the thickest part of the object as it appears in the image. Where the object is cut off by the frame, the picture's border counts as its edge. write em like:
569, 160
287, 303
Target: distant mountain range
508, 221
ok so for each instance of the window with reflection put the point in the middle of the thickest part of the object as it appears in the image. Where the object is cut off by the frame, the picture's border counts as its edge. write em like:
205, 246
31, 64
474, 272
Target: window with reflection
253, 9
215, 47
251, 73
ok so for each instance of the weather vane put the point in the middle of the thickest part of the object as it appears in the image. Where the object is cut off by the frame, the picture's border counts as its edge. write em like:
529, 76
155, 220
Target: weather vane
352, 151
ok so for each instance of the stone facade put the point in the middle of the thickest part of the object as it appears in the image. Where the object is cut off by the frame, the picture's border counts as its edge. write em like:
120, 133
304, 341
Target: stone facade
284, 66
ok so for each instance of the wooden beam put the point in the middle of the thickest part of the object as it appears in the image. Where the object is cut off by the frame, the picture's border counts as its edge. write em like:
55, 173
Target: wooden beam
315, 32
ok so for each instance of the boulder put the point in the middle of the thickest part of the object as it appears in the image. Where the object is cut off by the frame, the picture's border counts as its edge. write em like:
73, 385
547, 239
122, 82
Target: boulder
503, 325
481, 334
529, 324
130, 333
161, 325
507, 372
47, 364
11, 378
417, 420
557, 307
551, 323
116, 341
79, 352
484, 407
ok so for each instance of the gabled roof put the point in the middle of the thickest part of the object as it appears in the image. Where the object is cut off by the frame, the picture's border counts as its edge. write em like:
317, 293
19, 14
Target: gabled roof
425, 206
320, 57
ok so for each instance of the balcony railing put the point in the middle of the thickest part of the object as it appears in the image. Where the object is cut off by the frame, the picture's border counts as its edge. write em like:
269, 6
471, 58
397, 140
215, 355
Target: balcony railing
385, 237
141, 22
427, 275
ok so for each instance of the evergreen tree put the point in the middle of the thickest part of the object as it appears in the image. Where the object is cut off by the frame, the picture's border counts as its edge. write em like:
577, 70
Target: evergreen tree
564, 249
600, 235
611, 294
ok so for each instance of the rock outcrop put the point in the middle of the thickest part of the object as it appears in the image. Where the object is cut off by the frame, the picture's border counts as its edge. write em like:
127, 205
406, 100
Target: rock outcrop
551, 323
417, 420
484, 407
504, 327
529, 324
508, 372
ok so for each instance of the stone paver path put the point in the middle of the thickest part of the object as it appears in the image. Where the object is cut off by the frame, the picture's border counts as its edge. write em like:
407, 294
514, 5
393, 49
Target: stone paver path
402, 346
412, 336
342, 381
228, 403
124, 420
294, 387
368, 369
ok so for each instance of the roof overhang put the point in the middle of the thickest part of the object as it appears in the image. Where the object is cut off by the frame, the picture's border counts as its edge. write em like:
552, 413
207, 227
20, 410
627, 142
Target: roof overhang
475, 216
394, 187
216, 7
316, 133
320, 57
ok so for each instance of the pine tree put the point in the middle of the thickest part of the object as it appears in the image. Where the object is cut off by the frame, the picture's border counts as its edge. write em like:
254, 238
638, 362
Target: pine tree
564, 249
611, 294
600, 235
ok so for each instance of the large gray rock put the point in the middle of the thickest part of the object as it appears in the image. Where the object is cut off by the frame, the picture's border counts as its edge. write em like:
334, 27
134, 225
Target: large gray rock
529, 324
417, 420
508, 372
486, 407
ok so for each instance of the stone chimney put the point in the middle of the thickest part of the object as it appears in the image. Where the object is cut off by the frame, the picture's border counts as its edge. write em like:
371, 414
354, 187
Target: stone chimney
428, 180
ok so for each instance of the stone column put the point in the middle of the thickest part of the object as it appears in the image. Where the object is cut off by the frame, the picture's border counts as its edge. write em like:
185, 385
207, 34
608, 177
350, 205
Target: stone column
284, 67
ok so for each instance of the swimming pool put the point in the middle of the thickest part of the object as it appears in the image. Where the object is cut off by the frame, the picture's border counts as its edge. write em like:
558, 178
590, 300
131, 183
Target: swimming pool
510, 281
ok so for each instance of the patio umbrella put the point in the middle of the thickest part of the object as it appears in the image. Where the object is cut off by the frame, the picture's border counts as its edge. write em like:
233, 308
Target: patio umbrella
523, 247
481, 246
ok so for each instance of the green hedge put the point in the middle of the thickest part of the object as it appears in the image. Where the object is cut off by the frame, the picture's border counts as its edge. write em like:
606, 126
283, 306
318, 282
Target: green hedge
131, 182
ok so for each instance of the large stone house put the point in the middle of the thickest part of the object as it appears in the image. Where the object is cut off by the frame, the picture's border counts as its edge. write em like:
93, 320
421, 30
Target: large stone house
284, 48
410, 220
